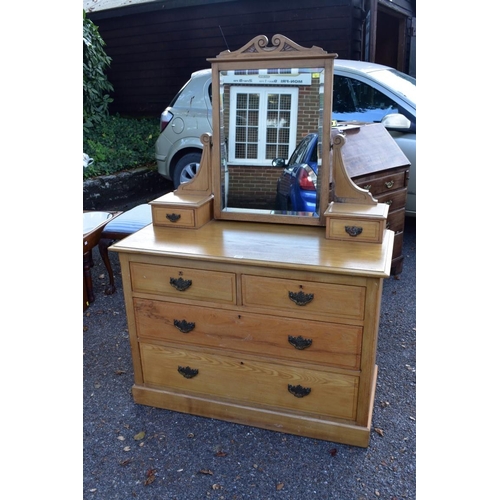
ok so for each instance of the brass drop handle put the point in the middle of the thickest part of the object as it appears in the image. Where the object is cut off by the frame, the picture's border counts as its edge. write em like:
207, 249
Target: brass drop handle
183, 325
367, 187
173, 217
298, 391
180, 284
353, 230
299, 342
389, 184
300, 298
187, 372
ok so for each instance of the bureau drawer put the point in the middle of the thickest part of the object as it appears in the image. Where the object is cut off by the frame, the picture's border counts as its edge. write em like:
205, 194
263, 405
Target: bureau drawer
398, 245
307, 298
250, 382
395, 200
258, 334
379, 185
396, 220
184, 283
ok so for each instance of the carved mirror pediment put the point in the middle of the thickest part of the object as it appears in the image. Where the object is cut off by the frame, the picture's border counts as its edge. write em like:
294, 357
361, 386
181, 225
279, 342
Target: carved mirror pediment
266, 99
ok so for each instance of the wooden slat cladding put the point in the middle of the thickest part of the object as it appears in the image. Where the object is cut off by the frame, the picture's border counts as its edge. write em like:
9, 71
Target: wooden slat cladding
154, 53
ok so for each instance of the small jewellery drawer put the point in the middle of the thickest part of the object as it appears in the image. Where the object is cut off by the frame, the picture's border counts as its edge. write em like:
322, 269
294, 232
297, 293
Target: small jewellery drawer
308, 298
185, 283
251, 382
356, 229
167, 216
378, 185
182, 210
305, 341
356, 222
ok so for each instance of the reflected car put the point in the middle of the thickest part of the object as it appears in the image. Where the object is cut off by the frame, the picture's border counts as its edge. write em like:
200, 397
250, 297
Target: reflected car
363, 91
296, 187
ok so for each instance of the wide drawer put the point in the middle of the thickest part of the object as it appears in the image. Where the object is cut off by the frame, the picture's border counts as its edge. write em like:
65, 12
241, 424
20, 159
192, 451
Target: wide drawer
382, 184
183, 283
256, 382
259, 334
306, 298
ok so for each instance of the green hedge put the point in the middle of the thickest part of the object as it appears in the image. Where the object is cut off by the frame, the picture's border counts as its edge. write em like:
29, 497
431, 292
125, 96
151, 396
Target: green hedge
119, 143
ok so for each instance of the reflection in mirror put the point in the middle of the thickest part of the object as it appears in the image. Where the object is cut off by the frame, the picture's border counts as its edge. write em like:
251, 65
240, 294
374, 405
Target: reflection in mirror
271, 129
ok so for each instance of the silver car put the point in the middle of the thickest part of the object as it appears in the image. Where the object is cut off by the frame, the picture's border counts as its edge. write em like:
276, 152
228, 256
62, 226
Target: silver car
363, 91
189, 115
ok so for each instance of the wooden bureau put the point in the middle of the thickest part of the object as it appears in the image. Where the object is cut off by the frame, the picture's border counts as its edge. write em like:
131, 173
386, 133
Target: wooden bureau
268, 325
390, 186
375, 162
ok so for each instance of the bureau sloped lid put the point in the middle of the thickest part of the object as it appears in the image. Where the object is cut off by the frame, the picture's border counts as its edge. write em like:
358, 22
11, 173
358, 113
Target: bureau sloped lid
370, 148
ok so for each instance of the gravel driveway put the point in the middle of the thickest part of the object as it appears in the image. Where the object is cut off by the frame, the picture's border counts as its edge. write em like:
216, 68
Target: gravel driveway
132, 451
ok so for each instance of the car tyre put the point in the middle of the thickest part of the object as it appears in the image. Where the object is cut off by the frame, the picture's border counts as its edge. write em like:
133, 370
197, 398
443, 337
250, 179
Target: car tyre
186, 168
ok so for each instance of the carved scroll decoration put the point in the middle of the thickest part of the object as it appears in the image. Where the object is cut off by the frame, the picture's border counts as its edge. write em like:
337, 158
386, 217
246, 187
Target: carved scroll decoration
281, 45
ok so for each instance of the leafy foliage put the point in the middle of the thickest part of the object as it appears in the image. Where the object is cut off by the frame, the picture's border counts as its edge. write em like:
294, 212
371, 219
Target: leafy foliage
96, 87
116, 143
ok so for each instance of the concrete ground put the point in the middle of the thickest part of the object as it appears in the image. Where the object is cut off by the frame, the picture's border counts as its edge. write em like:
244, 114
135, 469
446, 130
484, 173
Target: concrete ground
132, 451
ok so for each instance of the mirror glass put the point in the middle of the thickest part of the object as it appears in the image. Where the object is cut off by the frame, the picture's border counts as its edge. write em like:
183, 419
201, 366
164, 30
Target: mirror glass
271, 123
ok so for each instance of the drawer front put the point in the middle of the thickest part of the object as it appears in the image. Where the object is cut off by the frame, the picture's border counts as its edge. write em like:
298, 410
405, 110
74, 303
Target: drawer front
395, 200
398, 245
384, 184
356, 230
307, 298
258, 334
250, 382
183, 283
178, 217
396, 220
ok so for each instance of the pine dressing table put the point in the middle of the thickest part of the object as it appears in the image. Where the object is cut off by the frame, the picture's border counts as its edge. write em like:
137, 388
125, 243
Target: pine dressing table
253, 316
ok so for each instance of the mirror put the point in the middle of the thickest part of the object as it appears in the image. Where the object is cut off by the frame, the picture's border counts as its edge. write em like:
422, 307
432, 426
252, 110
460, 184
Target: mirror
270, 129
396, 121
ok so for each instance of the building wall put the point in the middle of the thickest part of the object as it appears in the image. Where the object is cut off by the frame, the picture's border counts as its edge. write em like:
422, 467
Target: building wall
155, 51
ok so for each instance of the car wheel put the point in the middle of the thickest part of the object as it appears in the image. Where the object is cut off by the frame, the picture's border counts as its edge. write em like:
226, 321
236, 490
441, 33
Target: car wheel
280, 203
186, 168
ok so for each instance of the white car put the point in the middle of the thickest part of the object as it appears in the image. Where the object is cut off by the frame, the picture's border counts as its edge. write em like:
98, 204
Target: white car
363, 91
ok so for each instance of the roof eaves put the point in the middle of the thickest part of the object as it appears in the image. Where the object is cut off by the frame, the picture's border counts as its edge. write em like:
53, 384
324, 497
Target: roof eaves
116, 8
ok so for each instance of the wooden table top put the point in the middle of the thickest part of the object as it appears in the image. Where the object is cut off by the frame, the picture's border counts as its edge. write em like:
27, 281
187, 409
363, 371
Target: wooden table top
266, 245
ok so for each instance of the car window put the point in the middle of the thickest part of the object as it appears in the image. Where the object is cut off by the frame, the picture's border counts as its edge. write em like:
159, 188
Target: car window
355, 100
300, 154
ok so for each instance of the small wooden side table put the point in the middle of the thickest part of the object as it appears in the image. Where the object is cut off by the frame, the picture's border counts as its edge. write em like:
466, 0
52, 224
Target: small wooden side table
93, 225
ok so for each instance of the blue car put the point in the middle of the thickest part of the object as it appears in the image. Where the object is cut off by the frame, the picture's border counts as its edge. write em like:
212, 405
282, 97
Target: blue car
296, 187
